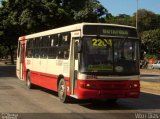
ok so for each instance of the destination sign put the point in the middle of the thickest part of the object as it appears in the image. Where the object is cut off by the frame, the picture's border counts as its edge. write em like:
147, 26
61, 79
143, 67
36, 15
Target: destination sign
115, 32
109, 30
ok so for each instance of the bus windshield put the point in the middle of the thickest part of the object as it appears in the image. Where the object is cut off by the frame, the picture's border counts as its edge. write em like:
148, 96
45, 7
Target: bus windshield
112, 55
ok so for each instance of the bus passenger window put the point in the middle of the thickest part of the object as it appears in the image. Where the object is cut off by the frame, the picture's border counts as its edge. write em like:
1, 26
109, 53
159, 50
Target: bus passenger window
76, 49
64, 39
29, 48
18, 52
53, 40
66, 54
60, 55
29, 53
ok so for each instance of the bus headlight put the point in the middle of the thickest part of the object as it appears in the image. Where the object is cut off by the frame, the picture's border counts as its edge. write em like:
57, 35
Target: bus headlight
87, 85
135, 85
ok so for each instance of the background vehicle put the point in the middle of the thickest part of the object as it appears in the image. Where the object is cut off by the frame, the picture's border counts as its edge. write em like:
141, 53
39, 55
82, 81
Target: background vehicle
155, 65
84, 61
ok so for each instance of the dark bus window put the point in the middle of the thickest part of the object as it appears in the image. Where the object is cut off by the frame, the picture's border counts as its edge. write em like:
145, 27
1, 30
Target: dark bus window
52, 46
18, 48
44, 42
54, 40
36, 45
52, 52
64, 39
43, 52
44, 46
28, 48
63, 52
64, 45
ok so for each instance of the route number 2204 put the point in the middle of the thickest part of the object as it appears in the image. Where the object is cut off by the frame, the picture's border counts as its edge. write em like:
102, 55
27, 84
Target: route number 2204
101, 42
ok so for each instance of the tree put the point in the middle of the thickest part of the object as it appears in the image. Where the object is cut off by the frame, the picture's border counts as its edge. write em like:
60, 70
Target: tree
57, 13
87, 10
122, 19
147, 20
151, 40
3, 51
8, 28
19, 17
158, 20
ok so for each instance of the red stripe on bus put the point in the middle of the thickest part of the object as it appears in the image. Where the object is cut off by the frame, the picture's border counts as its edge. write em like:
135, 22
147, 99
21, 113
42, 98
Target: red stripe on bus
46, 80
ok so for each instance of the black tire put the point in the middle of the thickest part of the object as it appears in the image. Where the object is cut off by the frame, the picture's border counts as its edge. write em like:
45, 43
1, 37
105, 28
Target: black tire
62, 91
28, 82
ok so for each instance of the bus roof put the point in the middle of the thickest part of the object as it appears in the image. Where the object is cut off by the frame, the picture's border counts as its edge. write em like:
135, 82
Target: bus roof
73, 27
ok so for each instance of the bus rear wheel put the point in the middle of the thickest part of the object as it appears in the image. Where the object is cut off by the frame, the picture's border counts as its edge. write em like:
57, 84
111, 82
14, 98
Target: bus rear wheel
28, 81
62, 91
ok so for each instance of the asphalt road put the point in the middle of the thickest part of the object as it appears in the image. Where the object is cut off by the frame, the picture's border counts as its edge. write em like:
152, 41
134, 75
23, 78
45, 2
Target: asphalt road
18, 102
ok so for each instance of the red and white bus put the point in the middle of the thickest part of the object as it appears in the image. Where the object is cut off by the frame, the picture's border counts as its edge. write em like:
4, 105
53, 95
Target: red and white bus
84, 61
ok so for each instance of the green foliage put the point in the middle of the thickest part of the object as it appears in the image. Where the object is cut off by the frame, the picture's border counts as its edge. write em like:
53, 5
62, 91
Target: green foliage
122, 19
19, 17
3, 51
151, 56
151, 39
39, 15
147, 20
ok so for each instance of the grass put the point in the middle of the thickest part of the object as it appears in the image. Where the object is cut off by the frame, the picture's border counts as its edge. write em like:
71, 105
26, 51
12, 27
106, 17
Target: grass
150, 86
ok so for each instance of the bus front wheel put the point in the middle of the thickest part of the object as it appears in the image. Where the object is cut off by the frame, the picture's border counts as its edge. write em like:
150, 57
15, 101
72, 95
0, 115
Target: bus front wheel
28, 81
62, 91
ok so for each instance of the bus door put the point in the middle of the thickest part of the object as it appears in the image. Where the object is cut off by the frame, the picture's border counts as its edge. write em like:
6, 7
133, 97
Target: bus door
73, 60
21, 59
